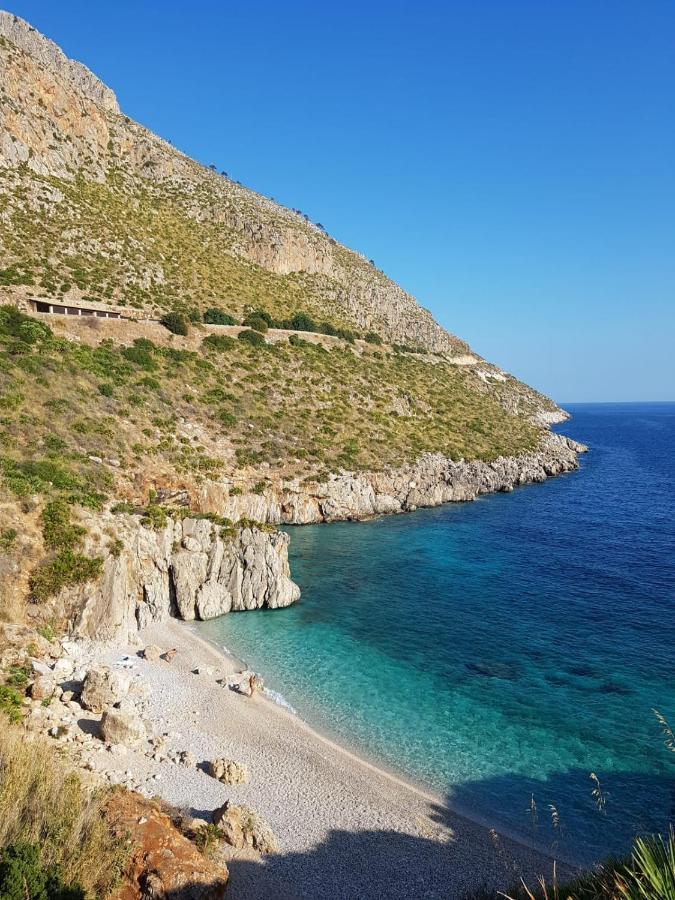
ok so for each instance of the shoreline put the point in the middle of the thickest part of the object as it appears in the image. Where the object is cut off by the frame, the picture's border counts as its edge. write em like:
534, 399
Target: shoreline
346, 827
378, 767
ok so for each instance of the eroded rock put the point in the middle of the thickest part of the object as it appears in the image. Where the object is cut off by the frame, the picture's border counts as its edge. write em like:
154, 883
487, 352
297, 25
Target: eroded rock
102, 688
228, 771
122, 726
43, 687
241, 827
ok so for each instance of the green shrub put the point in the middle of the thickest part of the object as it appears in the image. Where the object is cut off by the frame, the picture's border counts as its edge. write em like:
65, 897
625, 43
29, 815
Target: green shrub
123, 507
37, 476
154, 516
255, 338
216, 316
57, 529
175, 323
22, 877
10, 704
47, 632
225, 417
17, 325
66, 569
259, 487
146, 344
194, 316
53, 443
296, 341
139, 357
18, 676
346, 334
149, 382
373, 338
256, 321
7, 538
301, 322
247, 457
265, 316
218, 342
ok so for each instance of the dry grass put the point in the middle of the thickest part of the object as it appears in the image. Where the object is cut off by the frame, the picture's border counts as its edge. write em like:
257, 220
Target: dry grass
42, 803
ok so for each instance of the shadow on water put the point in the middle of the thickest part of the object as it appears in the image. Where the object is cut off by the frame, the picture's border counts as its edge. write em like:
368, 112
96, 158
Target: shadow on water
448, 858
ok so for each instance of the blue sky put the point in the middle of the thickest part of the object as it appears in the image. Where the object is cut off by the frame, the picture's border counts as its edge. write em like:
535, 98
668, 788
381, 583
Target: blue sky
510, 163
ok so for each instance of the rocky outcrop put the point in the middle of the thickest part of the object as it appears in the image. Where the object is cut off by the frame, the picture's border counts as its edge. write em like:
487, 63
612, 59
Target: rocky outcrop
186, 569
163, 862
122, 726
102, 688
432, 480
227, 770
53, 59
243, 828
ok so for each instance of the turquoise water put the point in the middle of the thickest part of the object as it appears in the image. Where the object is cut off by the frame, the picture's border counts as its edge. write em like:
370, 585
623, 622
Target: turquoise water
505, 648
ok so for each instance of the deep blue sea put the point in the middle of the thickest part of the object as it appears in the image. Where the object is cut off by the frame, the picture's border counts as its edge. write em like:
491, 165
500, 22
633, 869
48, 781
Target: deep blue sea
502, 650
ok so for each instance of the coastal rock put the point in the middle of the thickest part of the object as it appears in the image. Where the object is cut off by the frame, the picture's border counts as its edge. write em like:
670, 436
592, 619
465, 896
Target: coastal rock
228, 771
103, 687
152, 653
122, 726
243, 828
186, 569
431, 480
187, 759
39, 667
163, 862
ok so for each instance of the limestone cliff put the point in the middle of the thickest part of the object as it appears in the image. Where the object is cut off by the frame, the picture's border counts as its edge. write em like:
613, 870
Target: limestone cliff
185, 569
432, 480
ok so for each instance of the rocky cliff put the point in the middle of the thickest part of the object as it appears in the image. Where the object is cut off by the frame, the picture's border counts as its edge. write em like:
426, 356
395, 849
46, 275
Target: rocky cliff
187, 569
432, 480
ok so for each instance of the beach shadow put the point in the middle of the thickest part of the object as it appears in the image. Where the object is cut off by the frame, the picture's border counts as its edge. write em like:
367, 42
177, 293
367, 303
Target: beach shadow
450, 858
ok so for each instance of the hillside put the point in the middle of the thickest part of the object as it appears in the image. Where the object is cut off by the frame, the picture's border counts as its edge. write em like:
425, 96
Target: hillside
338, 396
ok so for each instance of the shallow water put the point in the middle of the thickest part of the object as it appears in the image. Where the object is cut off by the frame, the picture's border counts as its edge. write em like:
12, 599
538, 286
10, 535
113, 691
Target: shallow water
503, 649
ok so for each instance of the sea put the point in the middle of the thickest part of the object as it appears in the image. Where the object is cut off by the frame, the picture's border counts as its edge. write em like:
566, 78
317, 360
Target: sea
510, 654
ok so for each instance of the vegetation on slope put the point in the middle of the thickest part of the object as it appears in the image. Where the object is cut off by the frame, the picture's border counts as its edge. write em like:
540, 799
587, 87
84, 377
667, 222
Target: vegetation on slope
54, 841
136, 245
226, 407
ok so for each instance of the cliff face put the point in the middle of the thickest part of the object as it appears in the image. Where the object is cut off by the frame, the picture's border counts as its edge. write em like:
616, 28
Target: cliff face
186, 570
431, 481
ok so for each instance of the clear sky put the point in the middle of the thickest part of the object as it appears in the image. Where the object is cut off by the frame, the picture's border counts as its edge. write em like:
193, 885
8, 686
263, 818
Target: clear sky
509, 162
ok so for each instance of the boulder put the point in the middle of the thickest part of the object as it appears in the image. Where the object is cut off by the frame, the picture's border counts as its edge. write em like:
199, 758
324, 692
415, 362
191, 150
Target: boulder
122, 726
39, 667
152, 653
43, 687
170, 655
64, 668
227, 770
243, 828
187, 759
102, 688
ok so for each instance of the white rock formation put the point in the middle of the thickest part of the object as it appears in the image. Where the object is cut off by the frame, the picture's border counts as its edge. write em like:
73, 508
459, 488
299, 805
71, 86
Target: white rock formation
187, 570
